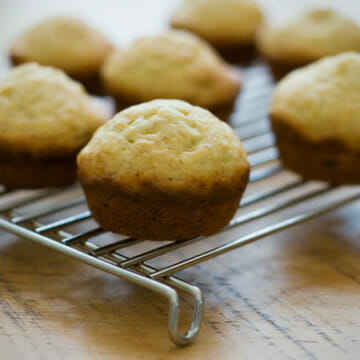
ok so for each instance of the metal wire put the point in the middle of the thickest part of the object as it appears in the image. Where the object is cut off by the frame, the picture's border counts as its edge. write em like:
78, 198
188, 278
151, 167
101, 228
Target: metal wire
49, 210
251, 238
67, 221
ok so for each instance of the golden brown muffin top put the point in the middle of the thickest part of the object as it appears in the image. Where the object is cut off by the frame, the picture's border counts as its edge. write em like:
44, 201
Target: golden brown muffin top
309, 36
43, 111
221, 22
322, 100
175, 65
63, 42
169, 145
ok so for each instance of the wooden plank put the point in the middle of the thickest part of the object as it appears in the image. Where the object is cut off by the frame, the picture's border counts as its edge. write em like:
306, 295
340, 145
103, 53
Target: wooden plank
295, 296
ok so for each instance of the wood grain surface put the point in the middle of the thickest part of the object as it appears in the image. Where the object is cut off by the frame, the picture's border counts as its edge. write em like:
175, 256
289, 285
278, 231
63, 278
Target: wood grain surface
295, 295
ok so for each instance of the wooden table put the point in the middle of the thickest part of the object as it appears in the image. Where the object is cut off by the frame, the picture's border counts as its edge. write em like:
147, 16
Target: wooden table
295, 295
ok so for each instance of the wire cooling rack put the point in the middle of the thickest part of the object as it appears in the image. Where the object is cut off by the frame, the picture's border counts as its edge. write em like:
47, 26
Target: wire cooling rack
59, 218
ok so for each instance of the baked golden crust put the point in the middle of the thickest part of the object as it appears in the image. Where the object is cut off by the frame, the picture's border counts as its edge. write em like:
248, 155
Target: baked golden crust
45, 119
167, 143
322, 101
315, 114
221, 22
44, 112
173, 65
308, 37
176, 166
327, 160
65, 43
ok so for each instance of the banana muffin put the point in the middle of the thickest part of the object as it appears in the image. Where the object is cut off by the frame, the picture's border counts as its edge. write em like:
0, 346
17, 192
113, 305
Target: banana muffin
221, 22
45, 119
65, 43
163, 170
308, 37
173, 65
315, 114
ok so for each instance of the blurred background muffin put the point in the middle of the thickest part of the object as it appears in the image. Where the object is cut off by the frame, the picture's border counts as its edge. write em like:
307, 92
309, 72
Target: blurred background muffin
66, 43
45, 119
172, 65
224, 23
315, 114
308, 37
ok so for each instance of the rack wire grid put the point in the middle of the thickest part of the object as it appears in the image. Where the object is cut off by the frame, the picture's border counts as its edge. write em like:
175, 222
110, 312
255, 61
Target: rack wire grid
39, 215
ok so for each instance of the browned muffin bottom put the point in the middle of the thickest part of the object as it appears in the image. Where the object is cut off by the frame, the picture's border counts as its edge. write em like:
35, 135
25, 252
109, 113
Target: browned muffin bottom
237, 54
92, 84
160, 215
16, 59
331, 160
224, 112
30, 171
280, 69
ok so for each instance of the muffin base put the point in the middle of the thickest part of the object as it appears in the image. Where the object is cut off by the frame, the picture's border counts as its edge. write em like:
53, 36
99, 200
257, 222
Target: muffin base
280, 69
237, 54
92, 84
331, 160
160, 216
23, 171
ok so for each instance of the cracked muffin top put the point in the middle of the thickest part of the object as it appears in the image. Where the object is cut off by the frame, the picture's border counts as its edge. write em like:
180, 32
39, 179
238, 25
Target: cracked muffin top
169, 145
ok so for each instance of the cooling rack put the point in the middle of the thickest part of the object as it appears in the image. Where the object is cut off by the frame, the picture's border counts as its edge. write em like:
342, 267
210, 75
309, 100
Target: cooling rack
43, 215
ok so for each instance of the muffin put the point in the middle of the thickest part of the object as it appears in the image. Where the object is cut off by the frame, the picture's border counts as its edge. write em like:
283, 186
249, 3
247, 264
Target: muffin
221, 22
163, 170
315, 115
64, 43
308, 37
176, 65
45, 119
